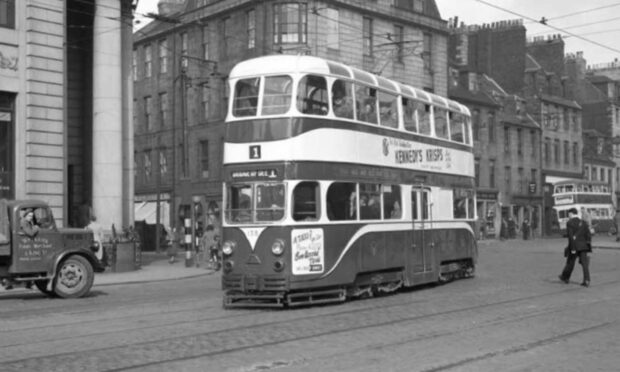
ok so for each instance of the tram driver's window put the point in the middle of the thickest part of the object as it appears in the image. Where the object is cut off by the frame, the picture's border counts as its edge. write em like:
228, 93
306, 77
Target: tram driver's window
410, 119
342, 99
306, 201
341, 201
312, 95
441, 123
245, 101
277, 95
239, 204
270, 202
392, 203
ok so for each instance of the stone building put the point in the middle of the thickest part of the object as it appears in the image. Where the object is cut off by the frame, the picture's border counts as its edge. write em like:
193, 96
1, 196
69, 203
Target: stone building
182, 58
65, 107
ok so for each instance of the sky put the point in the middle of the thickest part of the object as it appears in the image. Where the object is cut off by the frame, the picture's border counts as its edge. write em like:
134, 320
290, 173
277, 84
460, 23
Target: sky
591, 27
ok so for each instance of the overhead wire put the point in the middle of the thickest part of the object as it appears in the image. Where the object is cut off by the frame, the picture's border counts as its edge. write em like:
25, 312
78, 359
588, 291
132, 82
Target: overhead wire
550, 26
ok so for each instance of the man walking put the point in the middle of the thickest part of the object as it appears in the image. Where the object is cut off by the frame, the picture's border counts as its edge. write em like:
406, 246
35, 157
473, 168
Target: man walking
579, 244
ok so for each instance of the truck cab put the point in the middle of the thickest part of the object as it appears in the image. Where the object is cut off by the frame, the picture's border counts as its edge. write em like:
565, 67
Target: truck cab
35, 252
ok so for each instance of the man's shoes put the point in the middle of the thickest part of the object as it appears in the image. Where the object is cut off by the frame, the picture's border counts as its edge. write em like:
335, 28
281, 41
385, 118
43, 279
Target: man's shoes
585, 284
562, 279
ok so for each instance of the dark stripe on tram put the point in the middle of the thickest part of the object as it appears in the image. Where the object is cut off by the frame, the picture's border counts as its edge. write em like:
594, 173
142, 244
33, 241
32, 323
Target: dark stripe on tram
265, 130
348, 172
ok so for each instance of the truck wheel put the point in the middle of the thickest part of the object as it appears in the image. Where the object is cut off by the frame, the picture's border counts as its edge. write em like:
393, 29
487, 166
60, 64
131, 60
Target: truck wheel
42, 286
74, 278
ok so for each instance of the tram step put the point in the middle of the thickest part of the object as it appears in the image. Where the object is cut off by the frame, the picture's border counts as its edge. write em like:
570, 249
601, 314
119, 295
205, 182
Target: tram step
316, 297
253, 300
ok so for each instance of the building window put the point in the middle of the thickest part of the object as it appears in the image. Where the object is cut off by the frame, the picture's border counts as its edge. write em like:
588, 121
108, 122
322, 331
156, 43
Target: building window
163, 163
492, 174
333, 28
147, 165
602, 174
507, 179
226, 31
367, 37
575, 153
600, 143
184, 50
147, 113
290, 24
519, 142
399, 33
533, 143
134, 64
251, 21
204, 159
134, 111
491, 126
507, 140
148, 63
547, 150
477, 171
556, 151
206, 91
427, 52
163, 108
534, 178
566, 152
475, 123
205, 43
521, 182
7, 13
163, 56
413, 5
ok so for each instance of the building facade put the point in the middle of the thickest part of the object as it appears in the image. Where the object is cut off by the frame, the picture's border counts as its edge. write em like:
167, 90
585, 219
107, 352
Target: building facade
65, 111
182, 58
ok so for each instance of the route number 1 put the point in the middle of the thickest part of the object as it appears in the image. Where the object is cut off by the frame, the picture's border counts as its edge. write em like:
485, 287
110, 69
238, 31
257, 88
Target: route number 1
255, 152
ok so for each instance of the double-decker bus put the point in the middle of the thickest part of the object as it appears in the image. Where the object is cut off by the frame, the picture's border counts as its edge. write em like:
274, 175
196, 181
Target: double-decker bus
339, 183
592, 196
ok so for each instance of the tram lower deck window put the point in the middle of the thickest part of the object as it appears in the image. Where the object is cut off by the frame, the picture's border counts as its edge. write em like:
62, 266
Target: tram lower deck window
306, 201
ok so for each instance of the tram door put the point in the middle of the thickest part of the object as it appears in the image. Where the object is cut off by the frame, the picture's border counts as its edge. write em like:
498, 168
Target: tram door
422, 253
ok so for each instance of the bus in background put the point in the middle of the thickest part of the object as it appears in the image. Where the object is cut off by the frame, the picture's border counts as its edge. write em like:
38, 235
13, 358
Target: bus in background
592, 196
339, 183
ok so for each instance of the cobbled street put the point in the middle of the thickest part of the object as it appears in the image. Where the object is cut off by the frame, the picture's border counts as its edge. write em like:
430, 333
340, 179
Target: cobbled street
514, 315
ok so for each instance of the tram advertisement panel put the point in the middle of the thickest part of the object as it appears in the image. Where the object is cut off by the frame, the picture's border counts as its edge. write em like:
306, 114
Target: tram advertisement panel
307, 251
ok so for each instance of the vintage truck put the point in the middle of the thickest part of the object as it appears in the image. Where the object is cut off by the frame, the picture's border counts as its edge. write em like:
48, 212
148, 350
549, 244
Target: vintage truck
58, 261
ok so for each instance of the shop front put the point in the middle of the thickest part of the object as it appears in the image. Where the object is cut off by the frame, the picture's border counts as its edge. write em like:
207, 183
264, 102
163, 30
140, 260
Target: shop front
488, 216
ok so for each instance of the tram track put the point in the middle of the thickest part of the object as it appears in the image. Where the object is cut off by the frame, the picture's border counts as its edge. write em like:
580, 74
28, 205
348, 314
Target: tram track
266, 334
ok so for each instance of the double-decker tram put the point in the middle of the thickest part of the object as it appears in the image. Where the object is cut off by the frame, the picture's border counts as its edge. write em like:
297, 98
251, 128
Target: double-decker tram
592, 196
339, 183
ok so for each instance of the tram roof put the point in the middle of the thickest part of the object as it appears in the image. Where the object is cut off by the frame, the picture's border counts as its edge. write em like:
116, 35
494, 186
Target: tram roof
580, 182
279, 64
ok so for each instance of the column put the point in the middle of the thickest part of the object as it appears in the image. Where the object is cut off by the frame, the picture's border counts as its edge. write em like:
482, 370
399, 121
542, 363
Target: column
107, 115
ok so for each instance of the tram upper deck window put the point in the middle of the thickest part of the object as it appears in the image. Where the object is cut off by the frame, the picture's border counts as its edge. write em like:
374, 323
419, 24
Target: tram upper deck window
306, 196
312, 95
424, 118
269, 202
441, 123
388, 109
366, 104
245, 101
342, 99
457, 127
410, 120
341, 201
276, 95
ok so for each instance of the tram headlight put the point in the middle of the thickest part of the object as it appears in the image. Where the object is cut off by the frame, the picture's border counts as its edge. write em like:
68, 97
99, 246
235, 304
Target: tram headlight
228, 247
277, 248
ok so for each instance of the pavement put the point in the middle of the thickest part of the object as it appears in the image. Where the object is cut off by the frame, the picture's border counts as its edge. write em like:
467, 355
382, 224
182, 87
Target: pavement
154, 267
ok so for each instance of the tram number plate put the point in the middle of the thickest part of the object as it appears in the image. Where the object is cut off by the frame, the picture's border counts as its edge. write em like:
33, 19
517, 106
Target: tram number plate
255, 152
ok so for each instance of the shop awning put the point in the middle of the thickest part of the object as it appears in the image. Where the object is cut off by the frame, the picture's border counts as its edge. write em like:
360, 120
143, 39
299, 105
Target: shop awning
147, 212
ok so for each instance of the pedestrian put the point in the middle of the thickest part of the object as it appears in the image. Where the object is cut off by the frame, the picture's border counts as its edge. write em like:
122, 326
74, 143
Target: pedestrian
503, 231
617, 224
207, 241
579, 244
525, 229
173, 245
587, 218
97, 230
